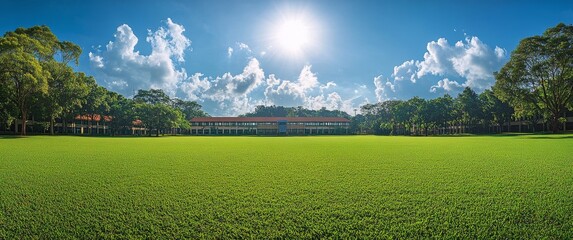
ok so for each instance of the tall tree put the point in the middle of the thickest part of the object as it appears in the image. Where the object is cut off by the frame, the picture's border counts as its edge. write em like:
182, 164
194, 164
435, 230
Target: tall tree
540, 74
8, 111
22, 53
443, 111
190, 109
121, 113
469, 106
495, 111
158, 116
152, 96
65, 91
95, 102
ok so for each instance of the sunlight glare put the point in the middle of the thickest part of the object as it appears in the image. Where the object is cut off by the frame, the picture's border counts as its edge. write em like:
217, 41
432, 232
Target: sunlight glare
294, 35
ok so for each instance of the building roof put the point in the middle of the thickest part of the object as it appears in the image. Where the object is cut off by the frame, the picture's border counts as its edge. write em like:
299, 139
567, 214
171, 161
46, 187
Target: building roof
269, 119
93, 117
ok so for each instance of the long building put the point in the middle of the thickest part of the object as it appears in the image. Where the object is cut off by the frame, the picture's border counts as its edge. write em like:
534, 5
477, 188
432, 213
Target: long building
269, 125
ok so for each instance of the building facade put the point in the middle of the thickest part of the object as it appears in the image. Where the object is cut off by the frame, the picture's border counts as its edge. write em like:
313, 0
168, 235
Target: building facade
269, 126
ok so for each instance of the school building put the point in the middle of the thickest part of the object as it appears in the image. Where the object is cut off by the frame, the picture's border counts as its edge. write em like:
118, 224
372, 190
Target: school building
269, 125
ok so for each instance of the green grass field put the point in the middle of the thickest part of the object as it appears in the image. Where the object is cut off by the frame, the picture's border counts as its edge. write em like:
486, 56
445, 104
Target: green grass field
287, 187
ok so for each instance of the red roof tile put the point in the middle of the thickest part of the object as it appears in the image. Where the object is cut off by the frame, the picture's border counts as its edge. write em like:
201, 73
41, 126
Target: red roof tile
269, 119
96, 117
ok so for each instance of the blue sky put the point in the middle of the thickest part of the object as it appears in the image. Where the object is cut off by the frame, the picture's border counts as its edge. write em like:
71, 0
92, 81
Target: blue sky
233, 55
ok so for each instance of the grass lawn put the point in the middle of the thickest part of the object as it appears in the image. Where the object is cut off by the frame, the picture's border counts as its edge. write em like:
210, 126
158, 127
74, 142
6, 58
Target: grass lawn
287, 187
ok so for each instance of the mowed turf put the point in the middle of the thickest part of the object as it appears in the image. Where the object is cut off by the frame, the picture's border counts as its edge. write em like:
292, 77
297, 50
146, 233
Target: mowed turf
287, 187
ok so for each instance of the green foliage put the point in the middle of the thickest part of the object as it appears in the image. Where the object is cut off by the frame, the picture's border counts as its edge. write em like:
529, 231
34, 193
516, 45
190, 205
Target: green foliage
122, 113
538, 79
157, 116
159, 112
442, 115
152, 96
501, 187
21, 72
494, 110
189, 109
281, 111
31, 75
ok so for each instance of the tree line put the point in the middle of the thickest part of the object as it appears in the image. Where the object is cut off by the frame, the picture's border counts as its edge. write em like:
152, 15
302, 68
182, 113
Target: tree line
467, 113
281, 111
534, 86
38, 84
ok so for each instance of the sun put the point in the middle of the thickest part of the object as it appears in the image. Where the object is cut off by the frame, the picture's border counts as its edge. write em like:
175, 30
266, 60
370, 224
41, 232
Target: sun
294, 35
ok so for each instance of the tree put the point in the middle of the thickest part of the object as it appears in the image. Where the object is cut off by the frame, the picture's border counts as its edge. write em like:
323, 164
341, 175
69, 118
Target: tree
539, 74
152, 96
157, 111
158, 116
190, 109
386, 112
65, 92
495, 111
95, 102
8, 112
443, 110
22, 53
469, 106
403, 114
121, 113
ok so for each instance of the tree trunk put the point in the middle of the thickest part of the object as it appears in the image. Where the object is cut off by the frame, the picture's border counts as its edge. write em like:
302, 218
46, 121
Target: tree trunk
64, 126
52, 125
24, 117
555, 124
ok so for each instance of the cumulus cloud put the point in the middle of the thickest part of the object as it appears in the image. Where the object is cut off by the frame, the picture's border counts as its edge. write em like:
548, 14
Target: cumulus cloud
471, 61
125, 70
408, 68
195, 85
306, 91
244, 46
447, 85
226, 87
229, 93
328, 85
383, 87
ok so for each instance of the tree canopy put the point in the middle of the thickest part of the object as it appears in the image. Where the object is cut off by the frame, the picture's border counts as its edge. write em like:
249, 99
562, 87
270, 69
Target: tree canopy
539, 75
39, 83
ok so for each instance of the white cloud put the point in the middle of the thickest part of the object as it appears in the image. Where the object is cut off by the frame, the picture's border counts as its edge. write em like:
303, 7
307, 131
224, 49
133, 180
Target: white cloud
500, 53
230, 92
228, 86
383, 88
447, 85
306, 91
126, 70
470, 60
408, 68
327, 86
244, 46
307, 79
195, 85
